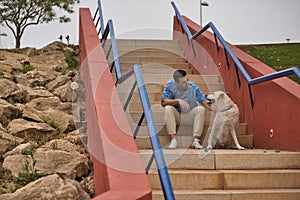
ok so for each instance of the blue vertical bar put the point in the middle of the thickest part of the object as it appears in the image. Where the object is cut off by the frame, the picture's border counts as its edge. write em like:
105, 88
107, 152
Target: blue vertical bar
159, 157
101, 17
114, 48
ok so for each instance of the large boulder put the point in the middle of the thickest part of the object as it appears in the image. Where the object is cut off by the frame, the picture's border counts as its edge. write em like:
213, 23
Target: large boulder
47, 188
64, 92
56, 156
43, 104
8, 88
8, 142
50, 110
59, 81
8, 112
40, 78
31, 130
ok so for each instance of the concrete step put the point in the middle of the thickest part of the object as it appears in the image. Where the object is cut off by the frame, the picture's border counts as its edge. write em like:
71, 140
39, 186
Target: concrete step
164, 78
225, 159
156, 87
270, 194
151, 52
185, 142
169, 46
162, 65
145, 42
151, 59
229, 179
156, 94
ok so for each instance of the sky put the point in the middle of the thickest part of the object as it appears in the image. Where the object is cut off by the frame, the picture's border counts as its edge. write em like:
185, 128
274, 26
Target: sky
239, 21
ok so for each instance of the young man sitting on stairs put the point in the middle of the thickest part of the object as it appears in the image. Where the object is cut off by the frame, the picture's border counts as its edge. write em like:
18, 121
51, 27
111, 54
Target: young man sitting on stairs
180, 99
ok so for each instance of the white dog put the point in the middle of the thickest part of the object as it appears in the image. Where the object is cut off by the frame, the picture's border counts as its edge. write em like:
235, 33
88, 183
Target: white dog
227, 116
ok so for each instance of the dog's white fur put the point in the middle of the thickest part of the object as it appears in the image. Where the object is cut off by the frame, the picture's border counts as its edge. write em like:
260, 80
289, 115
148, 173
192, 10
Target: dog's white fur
227, 115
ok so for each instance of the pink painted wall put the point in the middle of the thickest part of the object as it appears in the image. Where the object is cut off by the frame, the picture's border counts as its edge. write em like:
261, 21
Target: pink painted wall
118, 170
276, 102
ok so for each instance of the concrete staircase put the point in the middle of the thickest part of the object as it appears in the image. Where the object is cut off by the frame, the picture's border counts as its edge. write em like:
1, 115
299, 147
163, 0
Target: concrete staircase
198, 174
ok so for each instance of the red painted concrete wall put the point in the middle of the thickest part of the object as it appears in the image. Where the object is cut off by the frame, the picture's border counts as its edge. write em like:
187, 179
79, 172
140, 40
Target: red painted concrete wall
118, 169
276, 102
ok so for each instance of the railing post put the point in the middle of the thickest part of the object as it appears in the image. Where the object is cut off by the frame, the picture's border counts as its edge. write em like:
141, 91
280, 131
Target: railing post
101, 17
158, 153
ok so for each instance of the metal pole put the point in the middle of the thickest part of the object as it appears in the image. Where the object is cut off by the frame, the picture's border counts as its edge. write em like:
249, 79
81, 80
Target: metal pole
200, 12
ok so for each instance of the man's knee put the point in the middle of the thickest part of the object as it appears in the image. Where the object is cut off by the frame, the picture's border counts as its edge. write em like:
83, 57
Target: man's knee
200, 110
169, 109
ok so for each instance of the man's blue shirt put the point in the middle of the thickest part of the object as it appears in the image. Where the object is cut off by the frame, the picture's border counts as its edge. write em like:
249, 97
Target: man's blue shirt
192, 95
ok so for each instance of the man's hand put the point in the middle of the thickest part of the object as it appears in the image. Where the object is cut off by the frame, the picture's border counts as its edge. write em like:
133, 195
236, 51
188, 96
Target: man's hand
184, 105
208, 106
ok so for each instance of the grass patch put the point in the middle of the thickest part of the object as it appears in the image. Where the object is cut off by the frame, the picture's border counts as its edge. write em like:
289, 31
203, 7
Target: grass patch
53, 124
10, 100
70, 59
29, 173
276, 56
27, 68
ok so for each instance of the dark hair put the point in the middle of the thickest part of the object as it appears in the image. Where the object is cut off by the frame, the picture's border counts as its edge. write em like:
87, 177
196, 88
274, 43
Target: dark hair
179, 74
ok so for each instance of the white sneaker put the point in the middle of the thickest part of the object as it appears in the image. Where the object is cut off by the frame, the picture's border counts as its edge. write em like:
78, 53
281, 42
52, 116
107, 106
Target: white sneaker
173, 144
196, 144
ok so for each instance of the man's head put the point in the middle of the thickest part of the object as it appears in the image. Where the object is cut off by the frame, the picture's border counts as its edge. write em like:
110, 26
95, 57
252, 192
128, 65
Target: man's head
181, 79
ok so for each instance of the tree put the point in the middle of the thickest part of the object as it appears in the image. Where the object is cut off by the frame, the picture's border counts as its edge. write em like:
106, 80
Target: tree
17, 15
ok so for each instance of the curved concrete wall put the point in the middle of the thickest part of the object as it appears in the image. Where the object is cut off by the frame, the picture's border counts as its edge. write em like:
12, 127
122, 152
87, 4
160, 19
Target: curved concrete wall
118, 169
276, 102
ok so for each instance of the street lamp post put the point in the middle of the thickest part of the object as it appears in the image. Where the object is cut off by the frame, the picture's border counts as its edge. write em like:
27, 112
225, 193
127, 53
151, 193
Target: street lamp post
1, 35
202, 4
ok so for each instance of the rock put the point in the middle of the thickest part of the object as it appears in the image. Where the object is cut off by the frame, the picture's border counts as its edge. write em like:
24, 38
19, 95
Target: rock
59, 81
36, 93
49, 60
7, 142
8, 88
15, 163
39, 78
54, 103
12, 59
52, 111
64, 92
8, 112
32, 114
56, 156
17, 150
61, 156
49, 187
32, 130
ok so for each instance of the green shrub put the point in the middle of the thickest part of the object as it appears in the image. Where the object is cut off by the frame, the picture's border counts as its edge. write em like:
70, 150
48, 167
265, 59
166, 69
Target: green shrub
29, 173
27, 68
10, 100
70, 59
58, 69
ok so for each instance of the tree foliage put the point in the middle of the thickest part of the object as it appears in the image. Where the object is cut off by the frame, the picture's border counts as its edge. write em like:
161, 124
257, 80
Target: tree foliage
17, 15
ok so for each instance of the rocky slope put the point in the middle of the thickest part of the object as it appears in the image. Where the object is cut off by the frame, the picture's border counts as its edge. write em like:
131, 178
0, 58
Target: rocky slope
42, 153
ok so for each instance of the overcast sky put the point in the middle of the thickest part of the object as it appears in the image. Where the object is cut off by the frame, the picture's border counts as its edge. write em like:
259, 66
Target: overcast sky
239, 21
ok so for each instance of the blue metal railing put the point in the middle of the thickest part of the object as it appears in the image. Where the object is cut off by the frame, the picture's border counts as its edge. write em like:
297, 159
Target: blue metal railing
238, 65
147, 112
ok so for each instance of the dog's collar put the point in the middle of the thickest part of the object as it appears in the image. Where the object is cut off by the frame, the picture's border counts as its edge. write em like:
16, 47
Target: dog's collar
228, 108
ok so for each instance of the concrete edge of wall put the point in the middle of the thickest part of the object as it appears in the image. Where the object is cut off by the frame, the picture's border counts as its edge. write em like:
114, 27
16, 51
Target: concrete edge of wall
110, 139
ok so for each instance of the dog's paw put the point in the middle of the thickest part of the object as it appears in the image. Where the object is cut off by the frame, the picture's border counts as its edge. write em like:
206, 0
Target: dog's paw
240, 148
209, 147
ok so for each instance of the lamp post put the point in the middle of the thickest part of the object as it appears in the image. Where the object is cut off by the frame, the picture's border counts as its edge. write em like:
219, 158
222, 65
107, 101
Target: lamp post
202, 4
2, 35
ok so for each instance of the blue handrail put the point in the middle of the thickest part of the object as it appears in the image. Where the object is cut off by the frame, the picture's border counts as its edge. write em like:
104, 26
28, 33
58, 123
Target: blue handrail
294, 70
120, 78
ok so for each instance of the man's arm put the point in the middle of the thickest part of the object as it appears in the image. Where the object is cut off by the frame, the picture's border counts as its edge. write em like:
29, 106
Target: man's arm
171, 102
